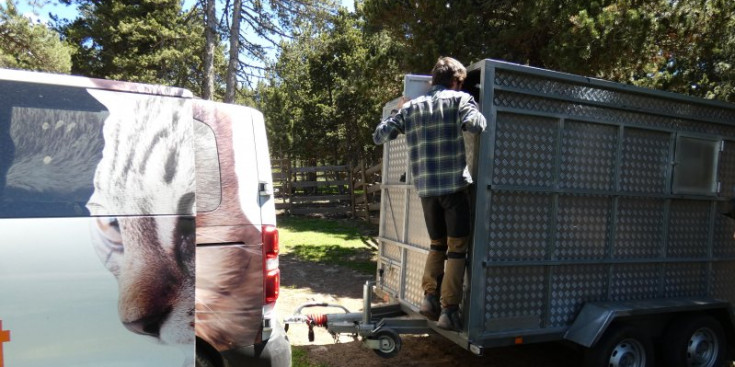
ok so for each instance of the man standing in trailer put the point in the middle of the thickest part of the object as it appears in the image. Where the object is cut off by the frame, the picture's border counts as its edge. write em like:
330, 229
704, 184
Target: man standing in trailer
433, 124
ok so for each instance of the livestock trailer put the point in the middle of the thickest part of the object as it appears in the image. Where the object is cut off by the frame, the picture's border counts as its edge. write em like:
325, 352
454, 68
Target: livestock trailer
598, 219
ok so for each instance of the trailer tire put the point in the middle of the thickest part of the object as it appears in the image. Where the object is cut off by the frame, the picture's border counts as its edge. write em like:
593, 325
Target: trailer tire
389, 343
697, 341
621, 346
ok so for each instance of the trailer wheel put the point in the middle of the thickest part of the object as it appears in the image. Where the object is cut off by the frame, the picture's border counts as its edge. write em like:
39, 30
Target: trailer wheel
621, 346
389, 343
697, 341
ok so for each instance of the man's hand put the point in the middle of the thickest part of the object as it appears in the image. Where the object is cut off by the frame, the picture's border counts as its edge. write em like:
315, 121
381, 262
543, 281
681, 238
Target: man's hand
402, 101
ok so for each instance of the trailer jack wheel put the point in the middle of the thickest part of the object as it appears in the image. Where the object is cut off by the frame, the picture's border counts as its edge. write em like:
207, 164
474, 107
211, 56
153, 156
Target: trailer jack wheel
385, 343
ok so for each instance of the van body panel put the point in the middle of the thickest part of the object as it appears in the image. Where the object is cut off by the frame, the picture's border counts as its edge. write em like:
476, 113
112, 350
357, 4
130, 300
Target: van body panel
60, 304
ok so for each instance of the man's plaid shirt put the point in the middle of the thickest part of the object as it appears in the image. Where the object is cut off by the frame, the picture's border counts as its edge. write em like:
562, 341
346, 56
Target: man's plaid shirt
433, 124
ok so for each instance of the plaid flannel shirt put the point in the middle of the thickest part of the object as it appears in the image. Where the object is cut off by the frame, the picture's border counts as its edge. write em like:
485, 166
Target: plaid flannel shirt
433, 124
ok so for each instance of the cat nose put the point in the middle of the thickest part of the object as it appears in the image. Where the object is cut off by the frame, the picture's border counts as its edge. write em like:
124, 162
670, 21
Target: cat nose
149, 325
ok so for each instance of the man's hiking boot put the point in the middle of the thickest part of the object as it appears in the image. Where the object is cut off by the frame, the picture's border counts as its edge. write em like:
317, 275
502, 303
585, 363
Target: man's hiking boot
450, 319
430, 307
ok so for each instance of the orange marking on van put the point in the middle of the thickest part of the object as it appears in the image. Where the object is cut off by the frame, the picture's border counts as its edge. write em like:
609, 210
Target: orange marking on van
4, 337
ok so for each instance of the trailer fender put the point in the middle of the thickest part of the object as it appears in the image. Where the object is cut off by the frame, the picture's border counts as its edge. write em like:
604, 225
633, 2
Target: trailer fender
595, 317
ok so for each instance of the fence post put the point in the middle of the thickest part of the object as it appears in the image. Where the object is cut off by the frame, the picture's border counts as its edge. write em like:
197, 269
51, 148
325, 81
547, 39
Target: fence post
351, 180
288, 189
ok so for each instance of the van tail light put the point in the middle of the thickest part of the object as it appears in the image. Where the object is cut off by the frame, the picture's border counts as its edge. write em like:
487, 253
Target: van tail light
271, 273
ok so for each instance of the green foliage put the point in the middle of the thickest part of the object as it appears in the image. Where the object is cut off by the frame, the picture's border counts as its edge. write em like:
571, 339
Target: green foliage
685, 46
24, 45
151, 41
327, 90
265, 22
328, 241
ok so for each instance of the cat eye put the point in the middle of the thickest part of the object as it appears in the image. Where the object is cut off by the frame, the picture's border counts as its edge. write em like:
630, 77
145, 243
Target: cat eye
109, 229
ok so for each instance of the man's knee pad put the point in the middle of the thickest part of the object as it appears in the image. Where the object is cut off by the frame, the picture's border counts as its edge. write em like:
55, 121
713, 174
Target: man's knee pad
458, 244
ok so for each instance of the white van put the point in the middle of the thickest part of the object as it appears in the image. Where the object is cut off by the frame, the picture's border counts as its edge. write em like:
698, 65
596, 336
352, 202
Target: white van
137, 225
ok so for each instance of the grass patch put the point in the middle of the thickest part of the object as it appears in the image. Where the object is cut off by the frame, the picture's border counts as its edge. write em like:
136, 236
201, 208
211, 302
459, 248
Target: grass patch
332, 241
300, 358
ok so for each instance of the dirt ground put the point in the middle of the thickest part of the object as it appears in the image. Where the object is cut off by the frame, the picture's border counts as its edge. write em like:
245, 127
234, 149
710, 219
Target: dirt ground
303, 282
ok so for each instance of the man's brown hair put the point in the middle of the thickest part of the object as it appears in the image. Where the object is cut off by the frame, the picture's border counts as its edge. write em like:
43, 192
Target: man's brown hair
446, 71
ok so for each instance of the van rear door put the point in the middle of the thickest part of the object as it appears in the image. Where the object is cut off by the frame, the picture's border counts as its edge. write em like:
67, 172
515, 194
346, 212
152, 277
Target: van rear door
229, 256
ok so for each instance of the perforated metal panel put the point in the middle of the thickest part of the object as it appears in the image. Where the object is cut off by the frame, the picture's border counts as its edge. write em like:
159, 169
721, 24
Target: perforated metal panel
574, 203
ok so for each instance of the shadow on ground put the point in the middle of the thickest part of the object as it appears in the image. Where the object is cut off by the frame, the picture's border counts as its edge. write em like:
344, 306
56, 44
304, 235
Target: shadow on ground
323, 278
434, 350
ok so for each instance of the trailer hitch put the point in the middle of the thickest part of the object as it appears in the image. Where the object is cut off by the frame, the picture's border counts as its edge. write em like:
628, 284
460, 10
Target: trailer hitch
322, 320
379, 327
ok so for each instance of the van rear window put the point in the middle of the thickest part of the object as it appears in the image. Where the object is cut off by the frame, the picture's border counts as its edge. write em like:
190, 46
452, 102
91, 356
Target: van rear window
50, 143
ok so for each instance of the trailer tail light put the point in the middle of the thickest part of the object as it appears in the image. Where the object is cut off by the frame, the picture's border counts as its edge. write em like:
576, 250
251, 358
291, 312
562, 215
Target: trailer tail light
271, 273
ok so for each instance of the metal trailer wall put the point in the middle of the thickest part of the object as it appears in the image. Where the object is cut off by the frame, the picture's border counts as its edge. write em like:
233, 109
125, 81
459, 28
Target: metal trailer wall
582, 194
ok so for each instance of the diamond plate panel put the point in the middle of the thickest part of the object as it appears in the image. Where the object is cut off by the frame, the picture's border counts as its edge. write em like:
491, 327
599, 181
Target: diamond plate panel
726, 173
418, 235
519, 226
571, 287
578, 110
393, 212
634, 282
582, 227
645, 160
390, 251
414, 293
723, 233
391, 280
514, 293
639, 233
723, 280
685, 280
588, 156
585, 92
524, 150
688, 229
397, 160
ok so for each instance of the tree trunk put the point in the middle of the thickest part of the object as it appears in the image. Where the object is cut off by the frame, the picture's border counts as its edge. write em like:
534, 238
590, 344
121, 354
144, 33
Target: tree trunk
234, 51
210, 34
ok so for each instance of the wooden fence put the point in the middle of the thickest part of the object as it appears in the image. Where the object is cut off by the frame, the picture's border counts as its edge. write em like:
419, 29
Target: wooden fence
330, 190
